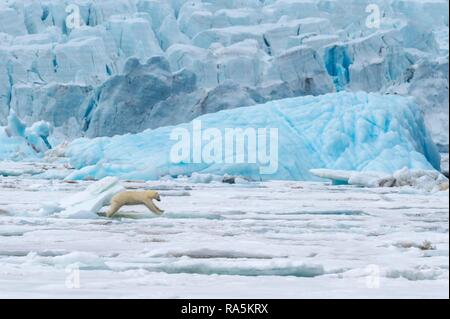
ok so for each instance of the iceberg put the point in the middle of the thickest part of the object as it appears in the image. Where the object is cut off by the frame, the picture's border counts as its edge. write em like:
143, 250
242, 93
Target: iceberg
341, 131
14, 148
17, 141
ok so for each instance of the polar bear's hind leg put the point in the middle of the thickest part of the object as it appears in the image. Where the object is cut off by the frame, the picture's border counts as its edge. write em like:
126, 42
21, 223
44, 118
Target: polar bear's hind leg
113, 209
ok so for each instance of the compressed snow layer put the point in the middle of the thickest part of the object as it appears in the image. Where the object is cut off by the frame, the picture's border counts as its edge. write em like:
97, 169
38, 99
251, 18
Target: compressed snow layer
361, 132
288, 239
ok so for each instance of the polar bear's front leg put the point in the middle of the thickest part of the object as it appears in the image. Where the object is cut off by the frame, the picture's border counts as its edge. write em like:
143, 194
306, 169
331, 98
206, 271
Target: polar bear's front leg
113, 209
153, 207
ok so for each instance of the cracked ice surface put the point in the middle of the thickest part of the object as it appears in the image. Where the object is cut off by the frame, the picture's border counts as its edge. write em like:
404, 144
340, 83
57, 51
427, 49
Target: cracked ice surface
272, 239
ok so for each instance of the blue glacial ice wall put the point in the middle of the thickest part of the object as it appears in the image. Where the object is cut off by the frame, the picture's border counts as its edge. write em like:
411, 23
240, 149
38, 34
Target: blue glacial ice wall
262, 49
345, 131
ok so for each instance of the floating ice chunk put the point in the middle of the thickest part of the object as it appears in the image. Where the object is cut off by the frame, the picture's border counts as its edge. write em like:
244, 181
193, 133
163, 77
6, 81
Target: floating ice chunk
428, 180
37, 135
336, 176
81, 260
431, 181
18, 141
15, 147
367, 179
372, 179
48, 209
15, 126
240, 267
203, 178
9, 168
88, 203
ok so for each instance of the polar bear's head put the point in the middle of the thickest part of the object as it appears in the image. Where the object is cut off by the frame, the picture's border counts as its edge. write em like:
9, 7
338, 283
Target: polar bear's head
153, 195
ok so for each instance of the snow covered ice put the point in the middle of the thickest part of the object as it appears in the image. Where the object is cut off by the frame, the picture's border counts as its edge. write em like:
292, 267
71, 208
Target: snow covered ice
427, 180
346, 197
290, 239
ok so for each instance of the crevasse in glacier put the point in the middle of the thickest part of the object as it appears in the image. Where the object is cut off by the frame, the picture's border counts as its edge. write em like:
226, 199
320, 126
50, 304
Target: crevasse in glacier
341, 131
263, 50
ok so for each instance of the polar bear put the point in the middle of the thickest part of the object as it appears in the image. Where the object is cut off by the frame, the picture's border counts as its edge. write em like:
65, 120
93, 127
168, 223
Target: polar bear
134, 198
444, 186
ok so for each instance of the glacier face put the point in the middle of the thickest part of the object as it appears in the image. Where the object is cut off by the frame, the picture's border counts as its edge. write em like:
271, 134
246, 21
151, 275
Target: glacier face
341, 131
213, 55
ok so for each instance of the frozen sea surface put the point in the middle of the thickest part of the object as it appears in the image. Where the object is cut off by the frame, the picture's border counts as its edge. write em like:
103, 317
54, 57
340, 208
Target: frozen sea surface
256, 240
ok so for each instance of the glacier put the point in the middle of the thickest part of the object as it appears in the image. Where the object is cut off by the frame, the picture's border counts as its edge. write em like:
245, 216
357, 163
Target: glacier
332, 185
344, 131
263, 50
